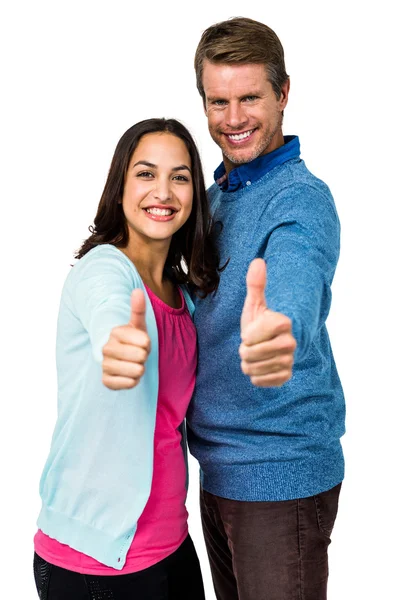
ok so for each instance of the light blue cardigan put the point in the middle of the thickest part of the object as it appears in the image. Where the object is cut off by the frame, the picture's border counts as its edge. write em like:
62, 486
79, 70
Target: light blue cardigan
98, 474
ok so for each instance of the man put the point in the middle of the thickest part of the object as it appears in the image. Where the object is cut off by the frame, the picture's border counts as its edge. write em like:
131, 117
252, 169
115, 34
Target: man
265, 426
270, 454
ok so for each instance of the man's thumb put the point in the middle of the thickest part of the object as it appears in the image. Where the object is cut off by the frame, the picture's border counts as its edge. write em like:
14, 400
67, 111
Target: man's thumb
138, 310
256, 282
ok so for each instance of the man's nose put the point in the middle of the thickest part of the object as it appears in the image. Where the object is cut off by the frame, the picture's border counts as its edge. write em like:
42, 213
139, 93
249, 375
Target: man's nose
235, 115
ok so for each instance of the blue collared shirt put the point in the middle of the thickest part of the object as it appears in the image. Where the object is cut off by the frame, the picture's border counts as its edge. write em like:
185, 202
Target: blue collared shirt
247, 173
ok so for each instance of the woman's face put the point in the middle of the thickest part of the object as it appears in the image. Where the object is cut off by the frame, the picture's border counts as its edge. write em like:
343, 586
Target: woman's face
158, 191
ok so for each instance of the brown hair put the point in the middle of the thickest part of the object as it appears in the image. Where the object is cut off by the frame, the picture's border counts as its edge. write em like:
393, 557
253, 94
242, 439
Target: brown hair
241, 41
193, 244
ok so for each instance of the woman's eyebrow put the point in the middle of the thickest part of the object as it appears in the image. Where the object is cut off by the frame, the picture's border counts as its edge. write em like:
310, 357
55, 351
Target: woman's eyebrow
153, 166
145, 163
182, 168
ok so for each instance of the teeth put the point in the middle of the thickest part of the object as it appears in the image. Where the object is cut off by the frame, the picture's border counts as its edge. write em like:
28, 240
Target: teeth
240, 136
163, 212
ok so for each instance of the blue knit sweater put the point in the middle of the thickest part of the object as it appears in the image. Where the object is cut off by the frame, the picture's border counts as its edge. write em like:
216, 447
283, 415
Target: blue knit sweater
270, 443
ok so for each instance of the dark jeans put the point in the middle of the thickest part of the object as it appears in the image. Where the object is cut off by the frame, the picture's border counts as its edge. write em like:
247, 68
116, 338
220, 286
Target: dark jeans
177, 577
269, 550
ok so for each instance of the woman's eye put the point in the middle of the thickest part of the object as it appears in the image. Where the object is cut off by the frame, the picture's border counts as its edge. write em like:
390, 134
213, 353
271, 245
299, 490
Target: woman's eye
145, 174
181, 178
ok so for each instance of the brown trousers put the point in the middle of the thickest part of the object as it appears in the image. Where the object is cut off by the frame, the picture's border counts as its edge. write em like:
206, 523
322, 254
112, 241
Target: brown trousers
269, 550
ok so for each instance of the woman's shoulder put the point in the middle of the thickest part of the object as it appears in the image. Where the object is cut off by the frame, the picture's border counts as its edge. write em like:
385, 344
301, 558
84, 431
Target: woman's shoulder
102, 260
104, 253
188, 299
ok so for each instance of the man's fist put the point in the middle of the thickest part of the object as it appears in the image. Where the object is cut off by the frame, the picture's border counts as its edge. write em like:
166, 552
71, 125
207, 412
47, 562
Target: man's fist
127, 349
268, 346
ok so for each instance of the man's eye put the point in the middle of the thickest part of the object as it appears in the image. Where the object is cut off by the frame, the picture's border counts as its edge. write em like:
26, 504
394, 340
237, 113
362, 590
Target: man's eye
250, 98
219, 102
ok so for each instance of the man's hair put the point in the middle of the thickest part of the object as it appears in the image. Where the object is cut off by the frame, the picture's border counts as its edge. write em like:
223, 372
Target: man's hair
239, 41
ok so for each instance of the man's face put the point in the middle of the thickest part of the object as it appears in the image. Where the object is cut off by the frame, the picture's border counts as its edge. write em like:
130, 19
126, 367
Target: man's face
244, 115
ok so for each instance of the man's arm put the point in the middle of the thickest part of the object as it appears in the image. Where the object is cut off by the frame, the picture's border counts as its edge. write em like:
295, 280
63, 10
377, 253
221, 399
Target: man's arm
301, 255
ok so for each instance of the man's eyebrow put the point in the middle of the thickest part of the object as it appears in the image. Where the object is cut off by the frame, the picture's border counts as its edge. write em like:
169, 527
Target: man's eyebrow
221, 98
153, 166
215, 98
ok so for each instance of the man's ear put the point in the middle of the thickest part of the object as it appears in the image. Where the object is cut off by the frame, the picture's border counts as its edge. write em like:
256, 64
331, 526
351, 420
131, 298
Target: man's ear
285, 94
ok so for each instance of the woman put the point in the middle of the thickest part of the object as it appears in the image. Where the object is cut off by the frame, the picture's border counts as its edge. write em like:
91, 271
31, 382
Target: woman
113, 522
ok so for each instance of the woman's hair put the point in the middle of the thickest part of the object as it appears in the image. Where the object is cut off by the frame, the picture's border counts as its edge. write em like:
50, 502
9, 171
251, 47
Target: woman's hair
192, 258
239, 41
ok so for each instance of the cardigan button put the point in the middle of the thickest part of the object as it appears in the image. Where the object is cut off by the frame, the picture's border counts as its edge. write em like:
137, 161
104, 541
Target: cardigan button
248, 182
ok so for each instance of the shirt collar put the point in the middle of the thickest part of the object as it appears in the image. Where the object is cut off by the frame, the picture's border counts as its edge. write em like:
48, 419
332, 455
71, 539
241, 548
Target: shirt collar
248, 173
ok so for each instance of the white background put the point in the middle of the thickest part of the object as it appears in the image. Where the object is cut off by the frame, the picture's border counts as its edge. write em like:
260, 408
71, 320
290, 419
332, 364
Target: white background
74, 77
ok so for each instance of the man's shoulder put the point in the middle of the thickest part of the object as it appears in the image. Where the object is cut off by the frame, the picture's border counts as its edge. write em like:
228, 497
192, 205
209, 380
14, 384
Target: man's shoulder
290, 178
212, 190
295, 182
213, 193
295, 173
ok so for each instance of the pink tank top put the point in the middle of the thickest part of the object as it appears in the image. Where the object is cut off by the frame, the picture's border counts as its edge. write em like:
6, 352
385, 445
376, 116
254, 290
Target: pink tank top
162, 526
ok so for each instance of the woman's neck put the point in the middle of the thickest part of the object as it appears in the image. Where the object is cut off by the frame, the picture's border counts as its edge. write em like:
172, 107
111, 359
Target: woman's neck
149, 259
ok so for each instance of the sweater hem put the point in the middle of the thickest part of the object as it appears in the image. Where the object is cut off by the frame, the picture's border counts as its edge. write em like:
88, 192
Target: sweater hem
84, 538
141, 565
274, 481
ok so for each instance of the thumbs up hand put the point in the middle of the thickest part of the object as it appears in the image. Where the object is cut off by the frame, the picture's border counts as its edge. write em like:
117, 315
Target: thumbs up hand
255, 303
268, 345
127, 349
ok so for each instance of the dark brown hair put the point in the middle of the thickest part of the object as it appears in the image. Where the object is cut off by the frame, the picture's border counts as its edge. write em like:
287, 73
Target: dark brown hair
193, 258
242, 41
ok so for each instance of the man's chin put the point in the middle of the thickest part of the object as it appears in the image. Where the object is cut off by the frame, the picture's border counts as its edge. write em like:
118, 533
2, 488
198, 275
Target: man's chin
240, 157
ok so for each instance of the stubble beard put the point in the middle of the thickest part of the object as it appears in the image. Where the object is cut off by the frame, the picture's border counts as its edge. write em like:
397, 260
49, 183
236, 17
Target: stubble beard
260, 149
